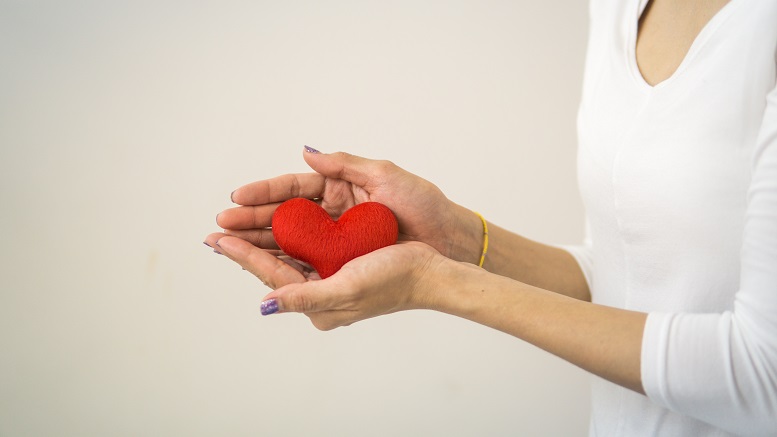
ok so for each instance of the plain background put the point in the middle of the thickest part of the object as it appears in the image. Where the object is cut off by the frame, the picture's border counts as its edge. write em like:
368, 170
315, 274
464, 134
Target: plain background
124, 126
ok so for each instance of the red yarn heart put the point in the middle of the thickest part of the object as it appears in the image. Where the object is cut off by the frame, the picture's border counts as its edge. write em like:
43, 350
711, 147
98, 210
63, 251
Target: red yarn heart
304, 231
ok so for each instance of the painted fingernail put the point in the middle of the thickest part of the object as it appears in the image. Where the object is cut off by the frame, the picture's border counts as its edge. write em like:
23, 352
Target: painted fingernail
311, 150
212, 248
220, 249
270, 306
232, 197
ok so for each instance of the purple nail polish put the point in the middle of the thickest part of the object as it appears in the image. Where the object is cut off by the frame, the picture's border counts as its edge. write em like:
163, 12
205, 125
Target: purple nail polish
212, 248
270, 306
311, 150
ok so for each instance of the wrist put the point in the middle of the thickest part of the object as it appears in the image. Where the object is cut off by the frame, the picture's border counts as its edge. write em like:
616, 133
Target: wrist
468, 236
449, 281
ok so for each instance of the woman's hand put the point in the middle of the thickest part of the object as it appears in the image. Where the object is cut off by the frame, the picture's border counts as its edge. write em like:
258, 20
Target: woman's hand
399, 277
342, 181
424, 214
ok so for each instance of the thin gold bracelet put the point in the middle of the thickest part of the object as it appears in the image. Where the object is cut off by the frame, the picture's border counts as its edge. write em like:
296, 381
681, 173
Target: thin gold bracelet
485, 239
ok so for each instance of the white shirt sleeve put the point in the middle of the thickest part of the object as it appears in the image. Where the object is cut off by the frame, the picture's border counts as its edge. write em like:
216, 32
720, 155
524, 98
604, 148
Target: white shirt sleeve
722, 368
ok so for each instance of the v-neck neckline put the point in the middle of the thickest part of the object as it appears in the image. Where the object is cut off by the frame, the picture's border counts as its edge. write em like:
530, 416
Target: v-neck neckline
699, 41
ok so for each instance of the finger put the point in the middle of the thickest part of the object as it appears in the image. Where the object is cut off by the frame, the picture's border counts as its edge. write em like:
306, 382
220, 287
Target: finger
211, 240
247, 217
305, 268
279, 189
296, 265
268, 268
355, 169
308, 297
261, 238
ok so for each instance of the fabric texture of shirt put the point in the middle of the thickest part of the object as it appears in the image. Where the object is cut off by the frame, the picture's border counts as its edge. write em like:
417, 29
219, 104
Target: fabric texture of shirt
679, 183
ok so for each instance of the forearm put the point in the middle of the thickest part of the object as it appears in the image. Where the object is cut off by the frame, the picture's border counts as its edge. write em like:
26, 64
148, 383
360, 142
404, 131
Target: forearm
602, 340
519, 258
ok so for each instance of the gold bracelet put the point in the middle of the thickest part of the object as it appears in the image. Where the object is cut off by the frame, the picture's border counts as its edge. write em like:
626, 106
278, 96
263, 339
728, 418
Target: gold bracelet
485, 239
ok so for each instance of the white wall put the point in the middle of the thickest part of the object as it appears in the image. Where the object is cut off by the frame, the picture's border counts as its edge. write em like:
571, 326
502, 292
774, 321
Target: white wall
124, 126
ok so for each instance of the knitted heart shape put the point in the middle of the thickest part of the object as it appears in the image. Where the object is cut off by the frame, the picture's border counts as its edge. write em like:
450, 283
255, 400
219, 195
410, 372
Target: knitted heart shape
304, 231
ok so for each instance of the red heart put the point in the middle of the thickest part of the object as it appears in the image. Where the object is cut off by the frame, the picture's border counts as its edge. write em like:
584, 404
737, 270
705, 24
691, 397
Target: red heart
304, 231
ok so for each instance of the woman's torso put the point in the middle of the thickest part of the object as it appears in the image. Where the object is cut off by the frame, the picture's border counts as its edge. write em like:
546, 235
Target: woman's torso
664, 172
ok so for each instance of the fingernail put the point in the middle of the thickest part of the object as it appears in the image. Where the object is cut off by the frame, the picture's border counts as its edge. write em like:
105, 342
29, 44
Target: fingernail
270, 306
232, 196
311, 150
212, 248
217, 218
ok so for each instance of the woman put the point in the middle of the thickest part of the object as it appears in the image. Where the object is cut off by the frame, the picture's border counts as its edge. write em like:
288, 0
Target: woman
672, 301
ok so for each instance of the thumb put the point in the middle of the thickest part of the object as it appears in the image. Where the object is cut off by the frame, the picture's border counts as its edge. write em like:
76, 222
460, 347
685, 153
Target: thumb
308, 297
354, 169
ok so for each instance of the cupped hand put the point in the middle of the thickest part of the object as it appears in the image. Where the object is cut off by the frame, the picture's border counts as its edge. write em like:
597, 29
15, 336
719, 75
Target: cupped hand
395, 278
341, 181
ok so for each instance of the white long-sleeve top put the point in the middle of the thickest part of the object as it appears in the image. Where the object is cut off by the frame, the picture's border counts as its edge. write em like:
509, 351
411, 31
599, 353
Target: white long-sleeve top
679, 183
